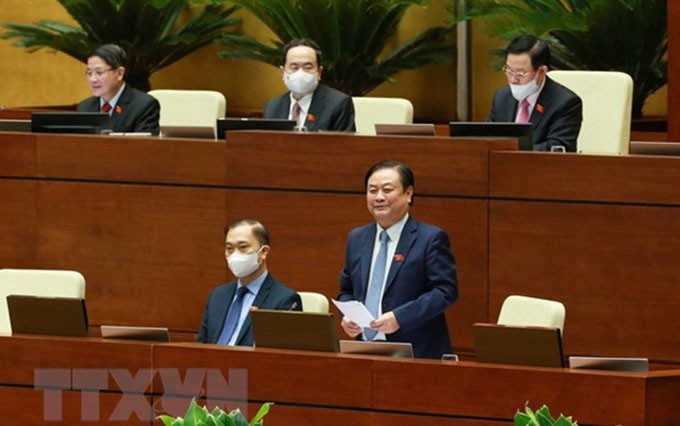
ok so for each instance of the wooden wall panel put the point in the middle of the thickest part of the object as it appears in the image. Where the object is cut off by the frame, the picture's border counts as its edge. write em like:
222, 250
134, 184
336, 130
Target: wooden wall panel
309, 232
338, 162
149, 254
613, 266
17, 223
25, 406
176, 161
19, 152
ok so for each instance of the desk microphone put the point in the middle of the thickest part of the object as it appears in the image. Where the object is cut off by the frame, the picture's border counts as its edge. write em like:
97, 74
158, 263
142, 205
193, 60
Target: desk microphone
293, 306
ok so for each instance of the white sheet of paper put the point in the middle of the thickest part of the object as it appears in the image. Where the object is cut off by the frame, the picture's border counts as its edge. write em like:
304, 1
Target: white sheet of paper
355, 311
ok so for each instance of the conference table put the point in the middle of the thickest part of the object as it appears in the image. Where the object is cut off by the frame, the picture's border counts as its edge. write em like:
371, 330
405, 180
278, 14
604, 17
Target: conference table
53, 380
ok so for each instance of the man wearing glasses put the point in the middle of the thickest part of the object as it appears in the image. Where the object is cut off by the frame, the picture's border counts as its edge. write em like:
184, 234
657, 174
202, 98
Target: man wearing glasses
555, 112
129, 109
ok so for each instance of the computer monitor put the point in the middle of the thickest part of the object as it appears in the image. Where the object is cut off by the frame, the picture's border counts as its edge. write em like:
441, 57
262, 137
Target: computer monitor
70, 122
58, 316
294, 330
11, 125
521, 131
160, 334
521, 345
227, 124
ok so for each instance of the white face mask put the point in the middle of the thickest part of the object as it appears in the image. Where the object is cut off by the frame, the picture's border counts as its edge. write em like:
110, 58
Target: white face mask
301, 82
523, 91
242, 265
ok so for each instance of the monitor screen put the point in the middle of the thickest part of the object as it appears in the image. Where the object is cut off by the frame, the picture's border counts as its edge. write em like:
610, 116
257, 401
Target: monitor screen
70, 122
522, 131
227, 124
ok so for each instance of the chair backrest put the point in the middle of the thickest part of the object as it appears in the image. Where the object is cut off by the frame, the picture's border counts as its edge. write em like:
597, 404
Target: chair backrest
190, 107
528, 311
369, 111
37, 282
607, 102
314, 302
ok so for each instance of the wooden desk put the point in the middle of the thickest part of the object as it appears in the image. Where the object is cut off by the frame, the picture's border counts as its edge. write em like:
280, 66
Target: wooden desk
312, 388
142, 219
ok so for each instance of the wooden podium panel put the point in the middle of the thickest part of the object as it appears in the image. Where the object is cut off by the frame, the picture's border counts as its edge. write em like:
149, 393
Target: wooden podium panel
338, 162
589, 178
289, 377
131, 159
21, 356
26, 407
19, 154
496, 392
18, 222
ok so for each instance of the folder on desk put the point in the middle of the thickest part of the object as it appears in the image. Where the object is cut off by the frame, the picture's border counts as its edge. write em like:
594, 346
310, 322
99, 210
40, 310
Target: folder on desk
58, 316
503, 344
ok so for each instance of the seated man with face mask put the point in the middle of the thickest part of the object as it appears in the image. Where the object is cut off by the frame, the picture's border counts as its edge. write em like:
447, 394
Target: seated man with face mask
555, 112
314, 106
226, 318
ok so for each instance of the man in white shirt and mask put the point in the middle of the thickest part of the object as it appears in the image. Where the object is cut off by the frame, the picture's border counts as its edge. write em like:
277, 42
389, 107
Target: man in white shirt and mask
554, 111
226, 318
313, 105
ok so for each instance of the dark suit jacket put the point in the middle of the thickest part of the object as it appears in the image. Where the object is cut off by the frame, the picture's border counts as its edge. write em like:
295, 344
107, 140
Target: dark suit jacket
420, 286
135, 111
272, 295
555, 120
330, 110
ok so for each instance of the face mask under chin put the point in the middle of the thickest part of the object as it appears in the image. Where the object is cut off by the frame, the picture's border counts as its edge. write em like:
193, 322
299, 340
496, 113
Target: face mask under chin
522, 91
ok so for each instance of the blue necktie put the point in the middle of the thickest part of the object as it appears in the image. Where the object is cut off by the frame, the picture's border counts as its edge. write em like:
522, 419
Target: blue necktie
375, 288
232, 317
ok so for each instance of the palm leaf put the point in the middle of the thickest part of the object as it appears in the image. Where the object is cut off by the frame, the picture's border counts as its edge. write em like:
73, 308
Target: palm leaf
353, 36
155, 33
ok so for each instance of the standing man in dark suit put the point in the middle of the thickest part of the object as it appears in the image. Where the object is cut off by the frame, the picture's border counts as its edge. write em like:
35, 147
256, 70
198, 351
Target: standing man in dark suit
129, 109
226, 318
313, 105
401, 269
555, 112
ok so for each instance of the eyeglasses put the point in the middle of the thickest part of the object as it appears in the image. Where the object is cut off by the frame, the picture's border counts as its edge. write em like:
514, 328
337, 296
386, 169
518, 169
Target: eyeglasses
519, 74
98, 72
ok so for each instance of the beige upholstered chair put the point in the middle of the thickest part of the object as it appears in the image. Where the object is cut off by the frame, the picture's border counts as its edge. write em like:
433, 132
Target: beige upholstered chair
36, 282
527, 311
369, 111
607, 102
313, 302
190, 107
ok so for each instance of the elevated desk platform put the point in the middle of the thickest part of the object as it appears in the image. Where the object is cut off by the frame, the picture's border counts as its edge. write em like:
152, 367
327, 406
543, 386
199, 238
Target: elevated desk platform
312, 388
142, 219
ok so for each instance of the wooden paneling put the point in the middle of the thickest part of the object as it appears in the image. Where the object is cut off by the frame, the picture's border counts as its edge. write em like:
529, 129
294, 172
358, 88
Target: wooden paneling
19, 152
26, 407
496, 392
589, 178
127, 159
613, 266
23, 356
272, 375
18, 223
338, 162
150, 254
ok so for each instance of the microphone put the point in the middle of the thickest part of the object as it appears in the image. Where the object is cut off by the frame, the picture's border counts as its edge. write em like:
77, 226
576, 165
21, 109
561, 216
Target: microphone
294, 306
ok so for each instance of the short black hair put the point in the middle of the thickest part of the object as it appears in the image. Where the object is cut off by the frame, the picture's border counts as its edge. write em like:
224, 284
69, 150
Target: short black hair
301, 42
538, 50
259, 230
112, 54
406, 176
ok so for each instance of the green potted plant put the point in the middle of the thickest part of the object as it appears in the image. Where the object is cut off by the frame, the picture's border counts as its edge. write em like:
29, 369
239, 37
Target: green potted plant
200, 416
541, 417
154, 33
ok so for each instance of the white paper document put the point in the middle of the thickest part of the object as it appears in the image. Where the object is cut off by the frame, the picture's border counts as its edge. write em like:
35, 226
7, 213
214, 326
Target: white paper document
355, 311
